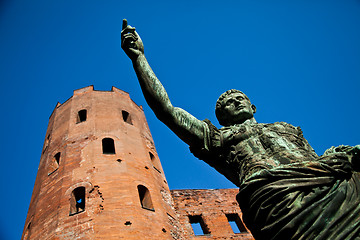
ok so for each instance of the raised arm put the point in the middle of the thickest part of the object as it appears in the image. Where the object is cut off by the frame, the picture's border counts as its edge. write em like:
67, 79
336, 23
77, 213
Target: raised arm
182, 123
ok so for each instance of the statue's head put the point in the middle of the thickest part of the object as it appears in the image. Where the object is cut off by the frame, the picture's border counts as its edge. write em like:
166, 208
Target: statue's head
232, 107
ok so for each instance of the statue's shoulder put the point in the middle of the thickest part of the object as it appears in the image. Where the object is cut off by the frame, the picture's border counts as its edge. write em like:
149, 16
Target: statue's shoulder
282, 125
212, 127
283, 128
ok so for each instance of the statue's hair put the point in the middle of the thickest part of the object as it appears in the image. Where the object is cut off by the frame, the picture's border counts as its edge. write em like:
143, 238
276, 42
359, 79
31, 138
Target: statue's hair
220, 104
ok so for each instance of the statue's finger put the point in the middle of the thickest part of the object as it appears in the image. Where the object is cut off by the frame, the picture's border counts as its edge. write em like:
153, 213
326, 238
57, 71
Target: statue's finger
124, 25
130, 35
136, 34
128, 40
128, 29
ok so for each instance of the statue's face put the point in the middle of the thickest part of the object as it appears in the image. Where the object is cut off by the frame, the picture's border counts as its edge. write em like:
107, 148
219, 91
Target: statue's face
237, 108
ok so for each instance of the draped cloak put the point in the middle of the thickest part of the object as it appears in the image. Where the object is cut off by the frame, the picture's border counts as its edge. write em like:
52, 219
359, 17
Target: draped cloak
286, 190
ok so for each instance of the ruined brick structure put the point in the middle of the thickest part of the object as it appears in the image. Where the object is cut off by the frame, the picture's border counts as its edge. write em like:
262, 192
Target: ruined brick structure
214, 209
99, 177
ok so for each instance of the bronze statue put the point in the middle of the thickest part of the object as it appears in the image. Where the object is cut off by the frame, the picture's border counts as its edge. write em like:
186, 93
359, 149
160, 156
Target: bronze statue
286, 190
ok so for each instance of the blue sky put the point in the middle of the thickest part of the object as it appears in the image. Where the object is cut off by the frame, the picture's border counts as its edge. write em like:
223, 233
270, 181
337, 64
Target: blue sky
298, 61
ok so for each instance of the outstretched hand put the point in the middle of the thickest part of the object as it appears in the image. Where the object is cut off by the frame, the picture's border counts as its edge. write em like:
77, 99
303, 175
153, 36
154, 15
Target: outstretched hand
131, 42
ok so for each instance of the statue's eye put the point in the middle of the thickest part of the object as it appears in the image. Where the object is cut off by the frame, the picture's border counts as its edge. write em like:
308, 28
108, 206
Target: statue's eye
229, 102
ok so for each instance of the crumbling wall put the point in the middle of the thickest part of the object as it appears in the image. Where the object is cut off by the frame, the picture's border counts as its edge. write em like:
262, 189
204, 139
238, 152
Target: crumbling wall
212, 208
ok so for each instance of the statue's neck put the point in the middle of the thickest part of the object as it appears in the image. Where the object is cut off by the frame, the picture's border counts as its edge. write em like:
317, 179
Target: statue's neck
246, 122
250, 121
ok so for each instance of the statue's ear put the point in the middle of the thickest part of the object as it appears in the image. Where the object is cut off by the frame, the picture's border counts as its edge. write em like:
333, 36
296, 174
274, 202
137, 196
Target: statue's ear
253, 108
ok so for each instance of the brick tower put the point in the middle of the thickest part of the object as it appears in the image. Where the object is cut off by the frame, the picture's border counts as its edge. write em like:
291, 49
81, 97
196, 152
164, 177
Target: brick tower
99, 175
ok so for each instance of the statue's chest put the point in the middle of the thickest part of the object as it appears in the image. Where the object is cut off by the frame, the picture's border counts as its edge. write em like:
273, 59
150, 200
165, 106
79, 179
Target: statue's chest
262, 140
242, 140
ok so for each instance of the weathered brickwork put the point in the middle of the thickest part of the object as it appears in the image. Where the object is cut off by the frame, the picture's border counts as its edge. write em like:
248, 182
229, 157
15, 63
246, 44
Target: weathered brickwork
109, 181
210, 207
99, 177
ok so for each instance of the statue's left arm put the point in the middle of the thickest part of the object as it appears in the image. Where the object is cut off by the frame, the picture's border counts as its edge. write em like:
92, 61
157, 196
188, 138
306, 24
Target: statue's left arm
353, 154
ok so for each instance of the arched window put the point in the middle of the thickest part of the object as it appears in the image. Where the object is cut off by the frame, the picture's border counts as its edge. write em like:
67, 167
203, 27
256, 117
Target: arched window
81, 117
152, 157
27, 232
47, 140
108, 146
145, 198
77, 201
54, 163
126, 117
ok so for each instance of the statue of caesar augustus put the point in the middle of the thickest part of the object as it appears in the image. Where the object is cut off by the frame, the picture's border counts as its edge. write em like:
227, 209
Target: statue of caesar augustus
286, 190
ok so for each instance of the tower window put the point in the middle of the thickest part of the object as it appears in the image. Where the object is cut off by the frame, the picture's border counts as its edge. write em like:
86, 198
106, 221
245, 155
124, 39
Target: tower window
46, 142
108, 146
27, 232
81, 117
198, 225
54, 164
126, 117
77, 201
145, 198
236, 223
152, 157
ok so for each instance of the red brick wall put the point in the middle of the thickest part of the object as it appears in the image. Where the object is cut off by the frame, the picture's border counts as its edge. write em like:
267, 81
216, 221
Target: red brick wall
211, 205
112, 205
